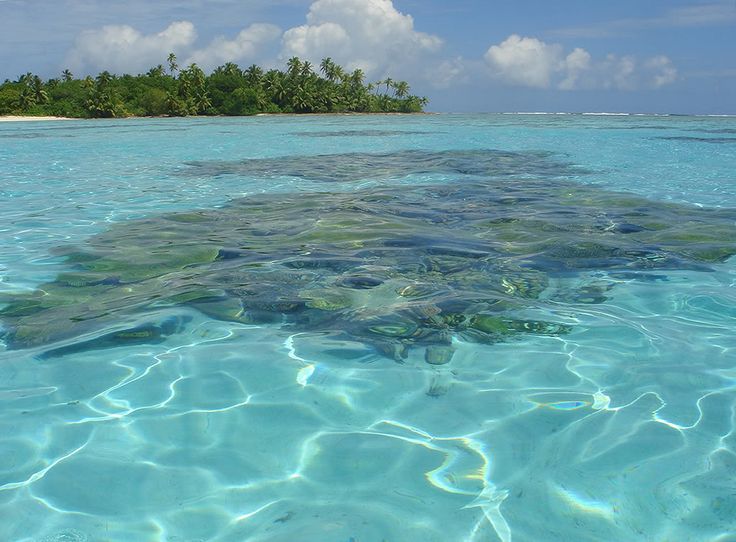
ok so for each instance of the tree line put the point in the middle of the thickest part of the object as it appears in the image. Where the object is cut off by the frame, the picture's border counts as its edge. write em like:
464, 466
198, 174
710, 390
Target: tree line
228, 90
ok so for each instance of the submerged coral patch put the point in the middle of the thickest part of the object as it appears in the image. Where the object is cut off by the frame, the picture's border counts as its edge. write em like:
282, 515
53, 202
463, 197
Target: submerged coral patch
700, 139
397, 269
366, 166
361, 133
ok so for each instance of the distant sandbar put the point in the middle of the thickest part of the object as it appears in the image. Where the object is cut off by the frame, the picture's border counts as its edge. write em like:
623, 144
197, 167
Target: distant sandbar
26, 118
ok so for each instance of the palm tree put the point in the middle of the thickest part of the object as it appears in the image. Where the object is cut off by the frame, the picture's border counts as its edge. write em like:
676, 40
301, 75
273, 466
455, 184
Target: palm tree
201, 102
232, 69
40, 94
155, 72
402, 89
294, 66
25, 78
104, 78
193, 90
357, 77
333, 72
274, 85
27, 98
327, 67
67, 76
174, 105
253, 75
389, 83
103, 104
173, 66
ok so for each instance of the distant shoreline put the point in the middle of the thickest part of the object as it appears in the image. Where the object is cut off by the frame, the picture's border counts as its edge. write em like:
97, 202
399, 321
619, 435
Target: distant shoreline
31, 118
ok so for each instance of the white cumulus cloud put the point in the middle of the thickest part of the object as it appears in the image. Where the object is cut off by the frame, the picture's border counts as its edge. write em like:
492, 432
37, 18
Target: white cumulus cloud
531, 62
663, 72
525, 61
122, 48
576, 64
448, 73
244, 48
368, 34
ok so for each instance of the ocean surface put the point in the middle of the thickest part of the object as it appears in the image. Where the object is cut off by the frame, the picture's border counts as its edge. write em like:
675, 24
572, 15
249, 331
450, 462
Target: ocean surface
368, 328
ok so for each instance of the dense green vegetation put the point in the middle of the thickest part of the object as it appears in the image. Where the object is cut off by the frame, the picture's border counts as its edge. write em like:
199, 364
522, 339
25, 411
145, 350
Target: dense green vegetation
228, 90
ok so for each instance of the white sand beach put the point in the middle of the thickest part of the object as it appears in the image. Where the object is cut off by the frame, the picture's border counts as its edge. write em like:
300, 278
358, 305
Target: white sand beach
18, 118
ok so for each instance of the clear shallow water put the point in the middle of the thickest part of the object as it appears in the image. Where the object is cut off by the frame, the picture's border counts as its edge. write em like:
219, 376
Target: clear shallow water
620, 429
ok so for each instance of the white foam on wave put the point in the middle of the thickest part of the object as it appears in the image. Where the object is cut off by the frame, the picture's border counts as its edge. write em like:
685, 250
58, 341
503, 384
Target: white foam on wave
537, 113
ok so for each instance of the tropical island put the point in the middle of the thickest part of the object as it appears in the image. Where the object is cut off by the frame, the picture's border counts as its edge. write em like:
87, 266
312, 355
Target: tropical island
228, 90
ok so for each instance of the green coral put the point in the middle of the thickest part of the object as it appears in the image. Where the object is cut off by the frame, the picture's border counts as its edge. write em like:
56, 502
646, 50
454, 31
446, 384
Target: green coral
416, 267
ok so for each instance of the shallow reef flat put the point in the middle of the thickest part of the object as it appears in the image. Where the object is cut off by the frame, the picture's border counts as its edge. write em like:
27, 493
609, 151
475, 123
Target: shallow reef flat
400, 268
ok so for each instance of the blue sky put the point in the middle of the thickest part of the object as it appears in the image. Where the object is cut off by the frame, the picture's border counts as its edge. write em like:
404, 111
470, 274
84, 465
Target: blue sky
675, 56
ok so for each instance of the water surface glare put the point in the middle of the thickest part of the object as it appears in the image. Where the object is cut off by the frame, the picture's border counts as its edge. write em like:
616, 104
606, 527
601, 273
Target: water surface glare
431, 328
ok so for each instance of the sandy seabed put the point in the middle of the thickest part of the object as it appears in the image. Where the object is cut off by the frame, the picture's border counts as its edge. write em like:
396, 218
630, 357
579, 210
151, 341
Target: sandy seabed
17, 118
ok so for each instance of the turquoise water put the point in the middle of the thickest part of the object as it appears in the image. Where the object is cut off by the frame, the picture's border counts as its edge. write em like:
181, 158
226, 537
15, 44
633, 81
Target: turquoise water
448, 327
